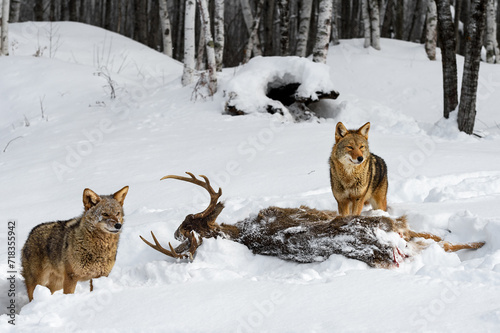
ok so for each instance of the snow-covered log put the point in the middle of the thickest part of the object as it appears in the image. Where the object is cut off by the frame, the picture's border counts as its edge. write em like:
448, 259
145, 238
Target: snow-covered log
288, 79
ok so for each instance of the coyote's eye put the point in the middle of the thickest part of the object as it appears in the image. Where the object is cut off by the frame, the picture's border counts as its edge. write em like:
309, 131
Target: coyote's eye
361, 147
105, 214
350, 147
118, 213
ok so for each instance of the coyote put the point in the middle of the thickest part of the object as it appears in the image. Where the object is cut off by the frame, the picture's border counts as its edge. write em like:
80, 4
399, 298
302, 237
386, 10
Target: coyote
59, 254
357, 177
303, 234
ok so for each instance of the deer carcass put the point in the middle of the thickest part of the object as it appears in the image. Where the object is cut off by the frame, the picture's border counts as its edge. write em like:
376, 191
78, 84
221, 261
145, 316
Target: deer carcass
303, 234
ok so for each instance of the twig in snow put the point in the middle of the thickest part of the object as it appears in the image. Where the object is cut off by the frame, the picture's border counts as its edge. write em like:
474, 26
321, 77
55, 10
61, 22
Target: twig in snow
8, 143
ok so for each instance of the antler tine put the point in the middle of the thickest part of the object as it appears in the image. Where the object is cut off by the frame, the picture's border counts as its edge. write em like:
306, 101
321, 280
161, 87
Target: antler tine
214, 196
161, 249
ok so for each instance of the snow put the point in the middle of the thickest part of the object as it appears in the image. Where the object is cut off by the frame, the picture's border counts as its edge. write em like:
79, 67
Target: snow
446, 182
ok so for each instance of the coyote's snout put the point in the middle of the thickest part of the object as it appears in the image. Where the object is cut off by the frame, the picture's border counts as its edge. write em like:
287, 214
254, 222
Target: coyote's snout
357, 177
59, 254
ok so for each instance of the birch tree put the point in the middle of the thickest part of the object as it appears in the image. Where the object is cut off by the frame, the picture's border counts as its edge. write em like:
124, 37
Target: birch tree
374, 23
431, 30
320, 51
209, 42
467, 108
255, 26
371, 19
447, 36
284, 15
4, 33
189, 43
366, 23
304, 23
219, 33
249, 19
166, 31
490, 39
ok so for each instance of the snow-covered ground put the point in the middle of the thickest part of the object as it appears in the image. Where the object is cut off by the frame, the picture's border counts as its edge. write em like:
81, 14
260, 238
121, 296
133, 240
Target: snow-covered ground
60, 132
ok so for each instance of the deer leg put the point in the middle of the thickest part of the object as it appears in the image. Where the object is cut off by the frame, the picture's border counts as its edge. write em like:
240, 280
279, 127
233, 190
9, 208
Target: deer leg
425, 235
448, 247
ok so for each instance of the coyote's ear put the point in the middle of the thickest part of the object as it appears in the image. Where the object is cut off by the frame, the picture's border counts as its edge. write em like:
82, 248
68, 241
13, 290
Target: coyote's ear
340, 131
120, 195
363, 130
90, 198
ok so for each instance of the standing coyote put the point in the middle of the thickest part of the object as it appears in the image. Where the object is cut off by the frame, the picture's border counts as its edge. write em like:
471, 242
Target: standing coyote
357, 177
59, 254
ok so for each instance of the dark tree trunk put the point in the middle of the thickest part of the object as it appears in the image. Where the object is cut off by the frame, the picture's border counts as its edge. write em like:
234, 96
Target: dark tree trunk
467, 108
400, 19
458, 11
141, 21
418, 21
388, 20
39, 10
154, 26
447, 37
15, 9
72, 10
83, 12
108, 25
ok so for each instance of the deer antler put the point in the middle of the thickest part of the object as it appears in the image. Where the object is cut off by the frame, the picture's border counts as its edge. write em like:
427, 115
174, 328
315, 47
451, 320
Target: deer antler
189, 253
195, 226
214, 196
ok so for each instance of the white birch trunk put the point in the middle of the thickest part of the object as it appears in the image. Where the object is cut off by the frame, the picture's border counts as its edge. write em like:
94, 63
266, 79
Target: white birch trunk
166, 31
4, 33
490, 39
189, 43
366, 23
219, 33
284, 17
253, 32
375, 24
249, 21
431, 30
304, 24
209, 42
320, 51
